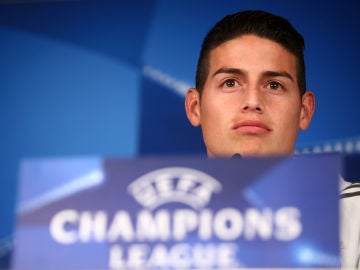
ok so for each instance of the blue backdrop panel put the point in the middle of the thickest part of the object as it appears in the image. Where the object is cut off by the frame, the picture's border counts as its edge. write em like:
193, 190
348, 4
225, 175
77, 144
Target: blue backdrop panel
115, 28
69, 84
179, 213
163, 129
332, 51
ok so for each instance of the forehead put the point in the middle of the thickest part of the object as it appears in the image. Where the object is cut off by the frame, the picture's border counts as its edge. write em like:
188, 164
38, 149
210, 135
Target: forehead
252, 53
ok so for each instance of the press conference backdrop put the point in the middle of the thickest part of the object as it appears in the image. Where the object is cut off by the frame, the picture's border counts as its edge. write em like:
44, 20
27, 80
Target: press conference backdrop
178, 213
83, 78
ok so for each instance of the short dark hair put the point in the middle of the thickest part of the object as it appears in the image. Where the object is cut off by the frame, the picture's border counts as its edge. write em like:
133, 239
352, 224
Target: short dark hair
260, 23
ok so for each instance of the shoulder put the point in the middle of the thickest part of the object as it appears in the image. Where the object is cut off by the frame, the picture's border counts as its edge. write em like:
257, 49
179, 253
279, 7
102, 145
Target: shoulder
350, 190
350, 224
350, 198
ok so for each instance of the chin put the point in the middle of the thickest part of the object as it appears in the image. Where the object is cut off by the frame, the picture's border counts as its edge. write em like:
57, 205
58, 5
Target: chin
253, 151
258, 152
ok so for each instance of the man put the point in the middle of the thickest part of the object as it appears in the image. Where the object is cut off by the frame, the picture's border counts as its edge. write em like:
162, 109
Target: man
250, 93
250, 96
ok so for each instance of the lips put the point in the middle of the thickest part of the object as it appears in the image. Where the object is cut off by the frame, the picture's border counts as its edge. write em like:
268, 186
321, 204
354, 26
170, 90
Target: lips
251, 127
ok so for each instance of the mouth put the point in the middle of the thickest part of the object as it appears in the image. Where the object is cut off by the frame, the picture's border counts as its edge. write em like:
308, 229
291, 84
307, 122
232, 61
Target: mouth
252, 127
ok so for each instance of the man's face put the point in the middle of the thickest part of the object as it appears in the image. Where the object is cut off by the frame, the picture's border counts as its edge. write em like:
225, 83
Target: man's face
251, 101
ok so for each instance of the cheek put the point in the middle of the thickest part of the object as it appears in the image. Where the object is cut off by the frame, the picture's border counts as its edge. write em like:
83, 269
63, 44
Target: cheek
209, 115
284, 114
213, 114
290, 118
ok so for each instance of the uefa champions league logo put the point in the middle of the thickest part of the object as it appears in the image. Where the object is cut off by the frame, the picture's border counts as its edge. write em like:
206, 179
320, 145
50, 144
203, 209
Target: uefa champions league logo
175, 184
190, 234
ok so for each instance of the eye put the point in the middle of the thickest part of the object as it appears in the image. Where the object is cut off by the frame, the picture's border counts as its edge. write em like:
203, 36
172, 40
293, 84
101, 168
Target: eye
273, 85
230, 83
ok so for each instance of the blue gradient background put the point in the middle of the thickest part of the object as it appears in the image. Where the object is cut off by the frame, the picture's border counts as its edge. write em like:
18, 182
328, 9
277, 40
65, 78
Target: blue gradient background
72, 80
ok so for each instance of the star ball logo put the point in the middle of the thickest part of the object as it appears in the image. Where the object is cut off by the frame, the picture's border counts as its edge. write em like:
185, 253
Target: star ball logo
174, 229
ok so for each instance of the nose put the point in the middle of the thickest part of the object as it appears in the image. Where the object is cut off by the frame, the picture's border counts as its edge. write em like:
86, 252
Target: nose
252, 101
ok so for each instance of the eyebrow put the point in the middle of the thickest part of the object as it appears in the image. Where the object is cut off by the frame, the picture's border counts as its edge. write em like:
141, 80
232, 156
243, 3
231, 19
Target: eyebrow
277, 74
236, 71
268, 73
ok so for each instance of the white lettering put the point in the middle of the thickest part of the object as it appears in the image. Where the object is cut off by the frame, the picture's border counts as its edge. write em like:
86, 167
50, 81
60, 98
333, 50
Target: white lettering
205, 224
159, 257
258, 222
164, 184
180, 256
145, 193
121, 228
153, 227
137, 255
226, 255
63, 226
228, 224
185, 220
175, 184
186, 182
92, 226
288, 224
203, 192
205, 256
116, 257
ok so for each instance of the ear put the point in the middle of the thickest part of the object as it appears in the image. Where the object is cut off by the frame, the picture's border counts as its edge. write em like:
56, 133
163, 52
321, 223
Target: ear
192, 106
307, 109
